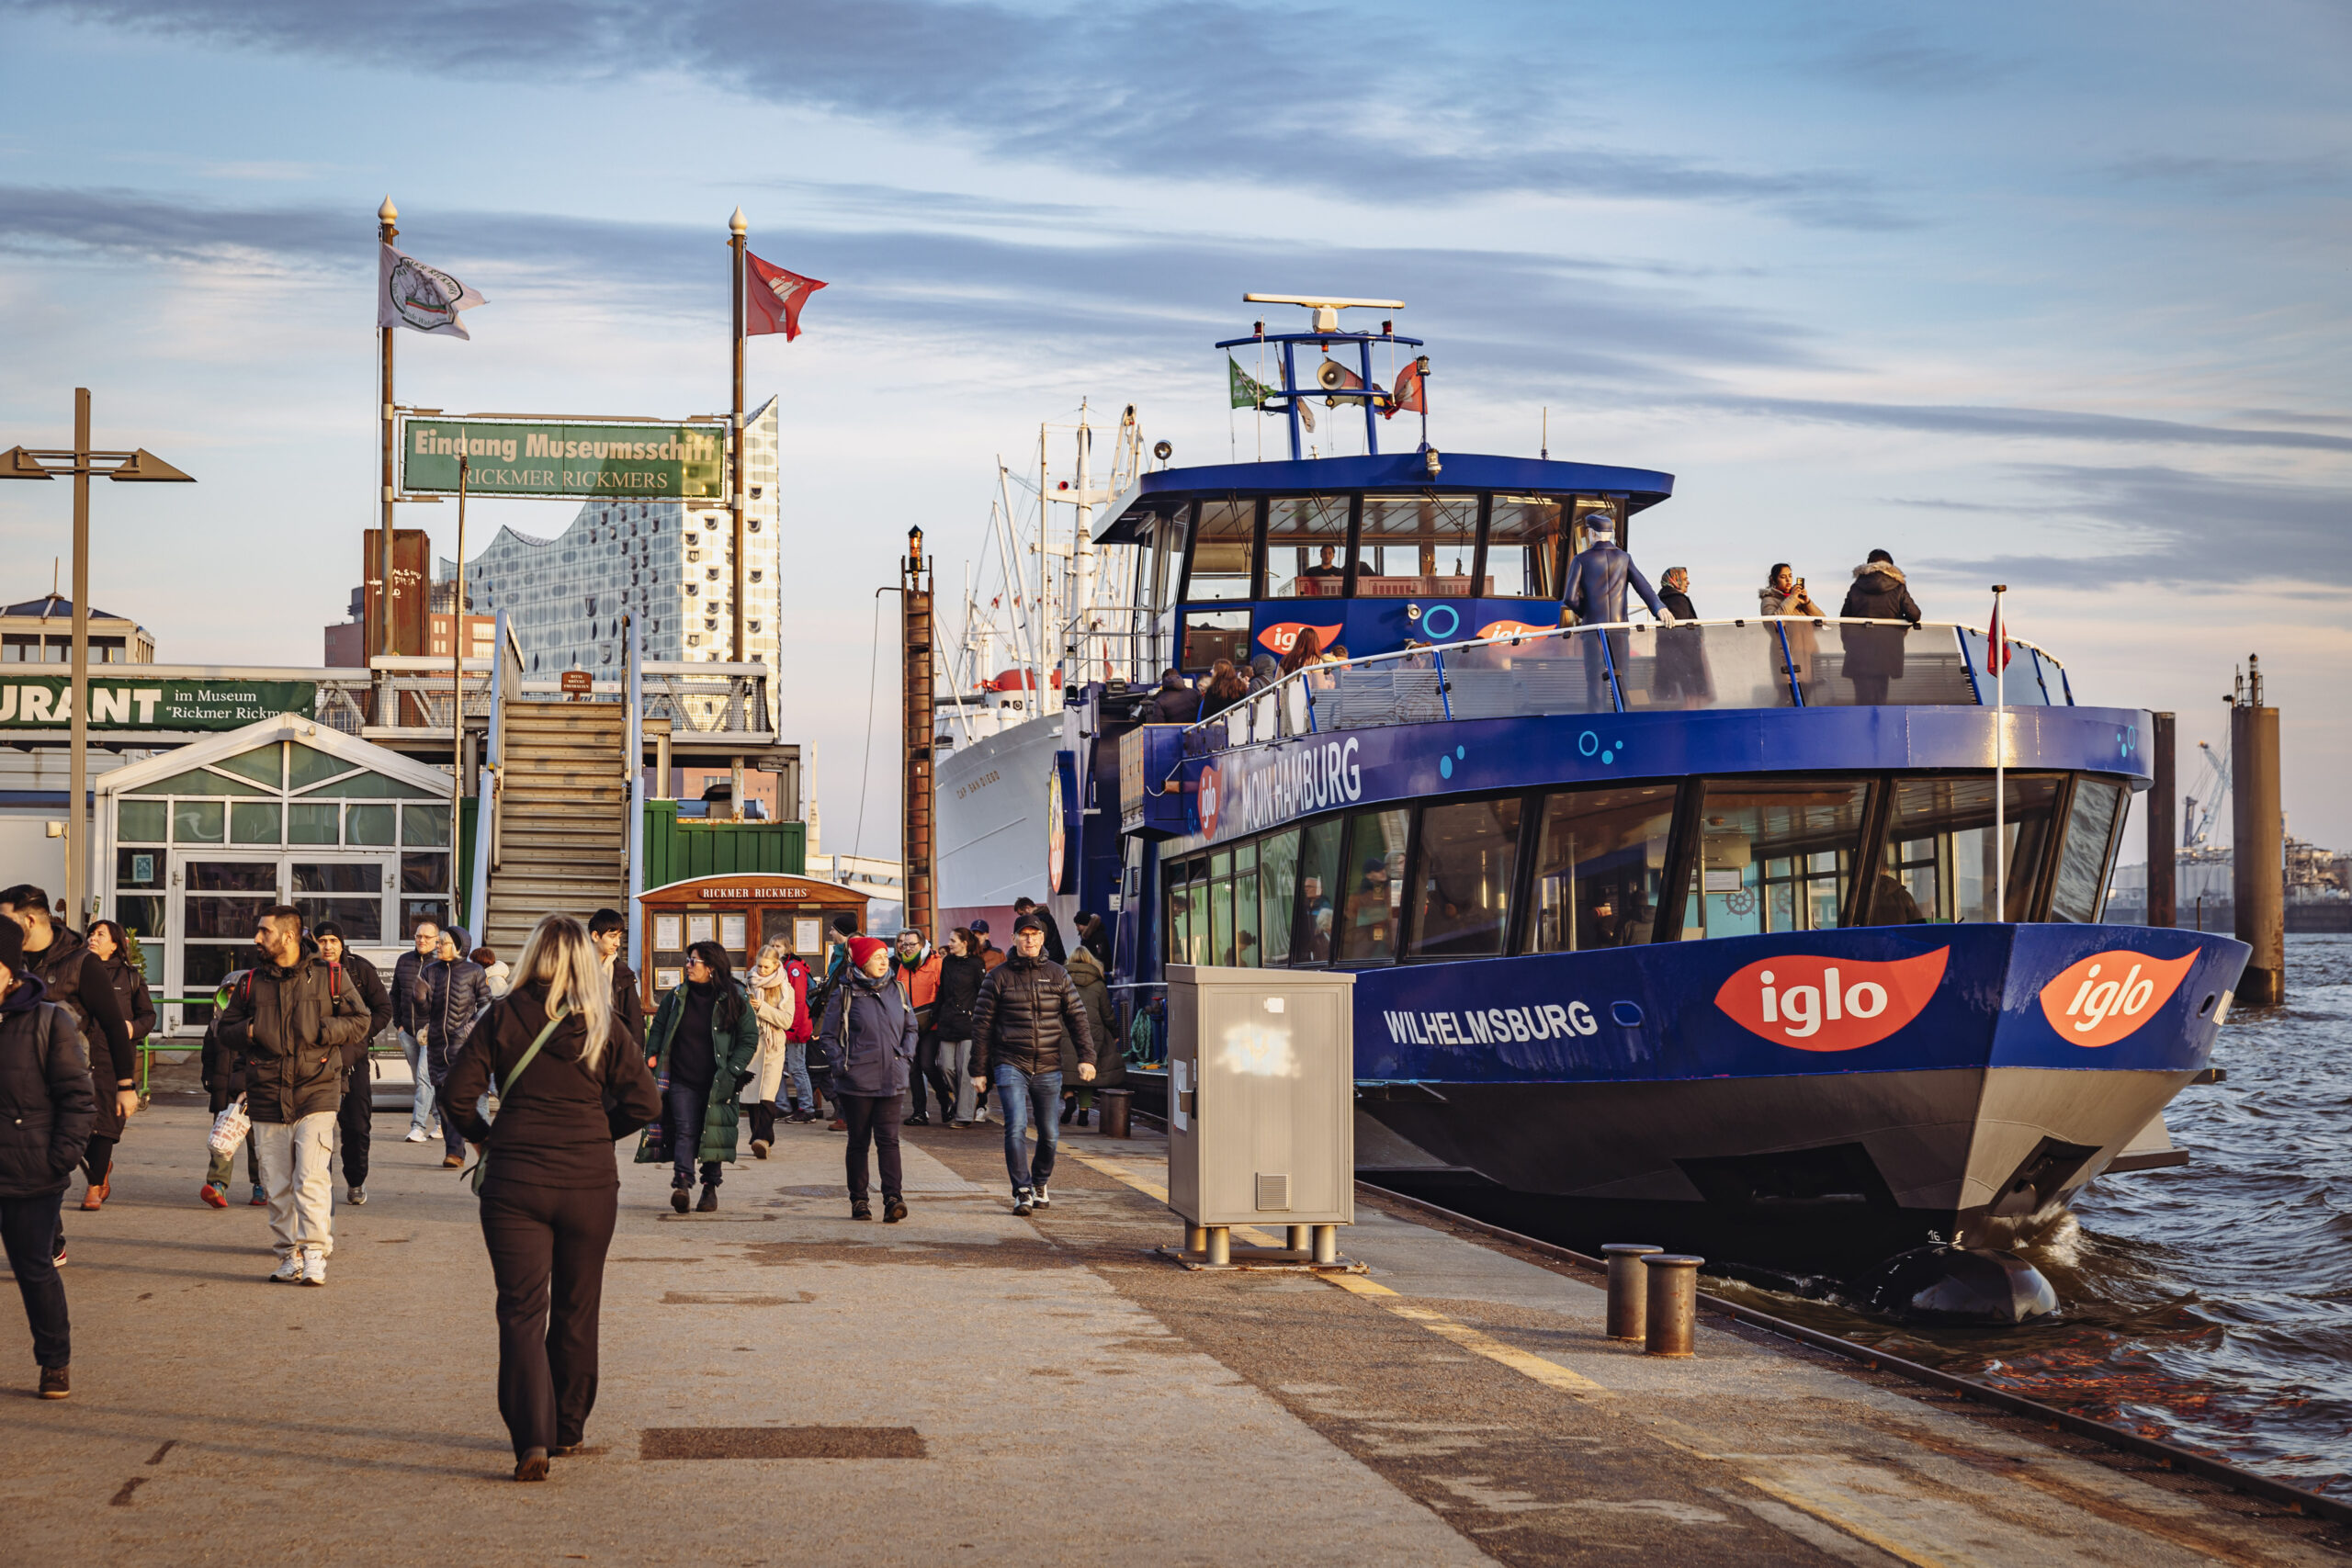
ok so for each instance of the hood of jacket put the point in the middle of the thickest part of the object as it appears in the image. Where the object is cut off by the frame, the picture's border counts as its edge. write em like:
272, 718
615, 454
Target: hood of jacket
1083, 966
1886, 569
30, 991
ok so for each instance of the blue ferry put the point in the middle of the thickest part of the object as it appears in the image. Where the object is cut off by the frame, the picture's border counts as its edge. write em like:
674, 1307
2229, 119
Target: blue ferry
1775, 940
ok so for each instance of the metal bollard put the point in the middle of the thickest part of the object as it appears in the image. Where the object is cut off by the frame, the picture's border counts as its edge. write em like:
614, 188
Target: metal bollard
1673, 1307
1196, 1238
1627, 1287
1117, 1104
1219, 1249
1295, 1240
1327, 1244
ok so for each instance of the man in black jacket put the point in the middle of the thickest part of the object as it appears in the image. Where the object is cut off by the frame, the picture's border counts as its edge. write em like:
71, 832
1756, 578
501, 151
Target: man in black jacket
355, 1117
409, 998
608, 932
290, 1020
45, 1105
1026, 1006
77, 982
457, 989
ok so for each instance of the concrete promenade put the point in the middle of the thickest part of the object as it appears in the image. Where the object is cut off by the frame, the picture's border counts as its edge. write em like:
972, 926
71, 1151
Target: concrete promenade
999, 1390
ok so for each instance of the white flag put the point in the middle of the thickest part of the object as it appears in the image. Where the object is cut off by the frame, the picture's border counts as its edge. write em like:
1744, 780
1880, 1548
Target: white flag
411, 294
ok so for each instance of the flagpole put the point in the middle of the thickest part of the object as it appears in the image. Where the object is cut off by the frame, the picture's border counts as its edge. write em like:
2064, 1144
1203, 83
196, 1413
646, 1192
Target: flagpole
2000, 760
740, 233
386, 219
457, 673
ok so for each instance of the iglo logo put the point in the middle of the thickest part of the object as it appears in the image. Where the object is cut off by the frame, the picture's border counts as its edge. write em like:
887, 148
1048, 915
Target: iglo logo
1815, 1003
2106, 995
1280, 639
1210, 802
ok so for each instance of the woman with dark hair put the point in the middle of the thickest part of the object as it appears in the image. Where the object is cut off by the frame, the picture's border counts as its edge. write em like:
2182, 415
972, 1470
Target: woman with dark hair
960, 972
701, 1043
1225, 688
569, 1081
110, 951
1306, 650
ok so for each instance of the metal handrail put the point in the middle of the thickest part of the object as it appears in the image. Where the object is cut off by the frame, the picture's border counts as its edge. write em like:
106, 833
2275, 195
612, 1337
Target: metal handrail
635, 653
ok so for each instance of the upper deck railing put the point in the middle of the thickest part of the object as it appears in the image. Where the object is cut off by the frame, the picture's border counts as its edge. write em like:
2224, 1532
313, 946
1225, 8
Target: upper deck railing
1643, 667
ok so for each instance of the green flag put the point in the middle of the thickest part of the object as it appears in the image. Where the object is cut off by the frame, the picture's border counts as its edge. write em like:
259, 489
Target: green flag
1246, 392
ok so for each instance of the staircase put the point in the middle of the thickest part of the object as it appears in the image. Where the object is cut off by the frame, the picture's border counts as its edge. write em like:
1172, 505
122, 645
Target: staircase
561, 832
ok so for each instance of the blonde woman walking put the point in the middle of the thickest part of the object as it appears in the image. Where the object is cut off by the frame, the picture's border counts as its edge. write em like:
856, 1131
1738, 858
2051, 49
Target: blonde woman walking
550, 1186
770, 988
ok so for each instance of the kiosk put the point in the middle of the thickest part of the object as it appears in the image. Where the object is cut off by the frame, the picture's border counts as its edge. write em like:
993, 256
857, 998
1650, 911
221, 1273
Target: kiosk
742, 913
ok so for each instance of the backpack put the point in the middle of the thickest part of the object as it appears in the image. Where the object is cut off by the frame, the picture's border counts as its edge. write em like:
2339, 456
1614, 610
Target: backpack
803, 1023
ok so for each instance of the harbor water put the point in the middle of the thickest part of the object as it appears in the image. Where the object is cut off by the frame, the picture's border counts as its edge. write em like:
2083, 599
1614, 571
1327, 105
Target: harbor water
2209, 1305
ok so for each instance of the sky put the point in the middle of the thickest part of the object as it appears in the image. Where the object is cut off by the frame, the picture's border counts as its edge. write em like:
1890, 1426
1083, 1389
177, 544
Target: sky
2048, 295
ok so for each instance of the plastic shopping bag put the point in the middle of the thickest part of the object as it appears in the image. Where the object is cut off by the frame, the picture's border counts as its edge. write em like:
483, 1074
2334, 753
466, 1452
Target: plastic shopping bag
229, 1128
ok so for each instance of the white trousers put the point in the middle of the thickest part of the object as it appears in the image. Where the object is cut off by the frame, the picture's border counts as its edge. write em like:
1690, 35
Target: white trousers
298, 1175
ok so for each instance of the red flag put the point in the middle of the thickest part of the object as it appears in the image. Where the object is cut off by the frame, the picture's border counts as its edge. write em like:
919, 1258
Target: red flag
1998, 656
1409, 394
772, 298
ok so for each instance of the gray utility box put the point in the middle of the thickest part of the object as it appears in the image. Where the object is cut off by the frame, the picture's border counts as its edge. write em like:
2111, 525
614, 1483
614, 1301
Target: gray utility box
1260, 1096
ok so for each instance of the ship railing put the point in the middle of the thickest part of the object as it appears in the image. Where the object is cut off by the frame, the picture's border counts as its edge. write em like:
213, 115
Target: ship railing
1643, 667
406, 697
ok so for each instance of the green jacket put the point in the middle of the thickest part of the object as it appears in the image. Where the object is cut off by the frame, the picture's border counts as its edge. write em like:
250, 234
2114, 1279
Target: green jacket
735, 1046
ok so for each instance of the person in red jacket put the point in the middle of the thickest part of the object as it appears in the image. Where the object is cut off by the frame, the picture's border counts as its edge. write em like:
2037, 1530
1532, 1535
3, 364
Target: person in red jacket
803, 1102
915, 965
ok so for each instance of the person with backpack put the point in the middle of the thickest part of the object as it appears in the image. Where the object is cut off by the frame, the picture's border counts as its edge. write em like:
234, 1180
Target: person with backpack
701, 1043
456, 990
74, 980
568, 1082
289, 1021
46, 1107
869, 1038
354, 1118
1027, 1006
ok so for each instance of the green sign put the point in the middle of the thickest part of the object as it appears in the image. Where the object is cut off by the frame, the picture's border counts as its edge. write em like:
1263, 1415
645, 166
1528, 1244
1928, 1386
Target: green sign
41, 702
641, 462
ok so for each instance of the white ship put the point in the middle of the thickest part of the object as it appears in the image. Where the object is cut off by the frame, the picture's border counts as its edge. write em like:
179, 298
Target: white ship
1043, 605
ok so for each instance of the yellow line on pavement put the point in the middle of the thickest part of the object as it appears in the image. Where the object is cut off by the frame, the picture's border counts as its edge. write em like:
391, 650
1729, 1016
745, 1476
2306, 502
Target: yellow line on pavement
1550, 1374
1858, 1531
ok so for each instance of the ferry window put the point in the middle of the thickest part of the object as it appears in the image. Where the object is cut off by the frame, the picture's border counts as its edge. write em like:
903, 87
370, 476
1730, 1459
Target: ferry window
1277, 895
1223, 551
1318, 891
1579, 537
1598, 869
1167, 561
1416, 546
1938, 861
1467, 851
1373, 887
1523, 548
2082, 853
1774, 856
1245, 906
1212, 635
1306, 546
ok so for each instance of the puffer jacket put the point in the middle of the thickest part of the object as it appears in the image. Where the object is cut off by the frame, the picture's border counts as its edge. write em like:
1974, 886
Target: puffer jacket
370, 986
455, 992
1102, 1018
959, 987
408, 991
1880, 595
1025, 1007
291, 1027
47, 1102
77, 982
868, 1036
735, 1041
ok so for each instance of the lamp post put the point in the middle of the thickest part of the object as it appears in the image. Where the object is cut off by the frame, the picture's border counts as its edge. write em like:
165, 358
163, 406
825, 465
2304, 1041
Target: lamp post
139, 466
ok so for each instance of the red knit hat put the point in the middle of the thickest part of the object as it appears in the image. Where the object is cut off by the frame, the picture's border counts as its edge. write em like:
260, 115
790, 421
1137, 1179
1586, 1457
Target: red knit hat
863, 948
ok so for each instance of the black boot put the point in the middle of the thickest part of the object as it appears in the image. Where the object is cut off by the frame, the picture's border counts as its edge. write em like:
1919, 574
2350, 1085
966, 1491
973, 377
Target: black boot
679, 1191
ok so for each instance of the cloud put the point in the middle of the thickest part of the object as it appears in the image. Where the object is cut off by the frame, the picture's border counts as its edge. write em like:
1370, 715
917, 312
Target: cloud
2030, 423
2210, 176
2181, 529
1202, 90
1904, 61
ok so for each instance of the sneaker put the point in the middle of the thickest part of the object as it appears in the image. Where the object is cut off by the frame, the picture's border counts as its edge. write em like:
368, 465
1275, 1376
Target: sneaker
358, 1197
415, 1136
260, 1199
453, 1162
55, 1384
288, 1271
314, 1267
678, 1198
1021, 1203
759, 1148
709, 1202
893, 1211
1040, 1197
57, 1253
917, 1120
837, 1125
214, 1195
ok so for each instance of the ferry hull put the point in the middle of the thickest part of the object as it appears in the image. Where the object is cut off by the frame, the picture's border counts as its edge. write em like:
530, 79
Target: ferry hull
991, 813
1668, 1121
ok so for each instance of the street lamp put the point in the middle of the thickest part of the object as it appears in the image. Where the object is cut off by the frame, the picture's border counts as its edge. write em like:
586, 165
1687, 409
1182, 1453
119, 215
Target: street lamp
139, 466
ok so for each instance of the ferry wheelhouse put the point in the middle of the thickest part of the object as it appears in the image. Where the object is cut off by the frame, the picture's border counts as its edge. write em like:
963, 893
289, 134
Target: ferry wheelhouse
1776, 940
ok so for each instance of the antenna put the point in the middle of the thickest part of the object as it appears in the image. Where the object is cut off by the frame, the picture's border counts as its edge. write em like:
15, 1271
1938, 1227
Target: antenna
1545, 452
1327, 308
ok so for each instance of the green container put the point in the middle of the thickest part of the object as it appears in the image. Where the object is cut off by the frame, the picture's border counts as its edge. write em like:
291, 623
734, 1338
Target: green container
678, 849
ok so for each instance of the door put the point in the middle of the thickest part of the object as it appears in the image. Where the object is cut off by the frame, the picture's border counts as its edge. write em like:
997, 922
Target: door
220, 902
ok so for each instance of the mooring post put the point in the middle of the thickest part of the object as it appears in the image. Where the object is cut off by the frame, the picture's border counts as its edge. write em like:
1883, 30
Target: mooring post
1673, 1315
1628, 1290
2164, 827
2258, 851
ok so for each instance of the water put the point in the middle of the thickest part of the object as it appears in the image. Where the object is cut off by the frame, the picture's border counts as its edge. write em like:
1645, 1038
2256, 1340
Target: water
2208, 1306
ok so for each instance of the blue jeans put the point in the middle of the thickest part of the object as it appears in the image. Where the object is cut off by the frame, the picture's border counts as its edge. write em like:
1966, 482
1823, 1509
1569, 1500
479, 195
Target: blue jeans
686, 1109
420, 1113
795, 1076
1027, 1098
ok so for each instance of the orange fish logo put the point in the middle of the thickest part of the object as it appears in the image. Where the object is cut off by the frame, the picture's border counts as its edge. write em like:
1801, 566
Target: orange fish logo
1512, 628
2109, 995
1279, 641
1815, 1003
1211, 801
